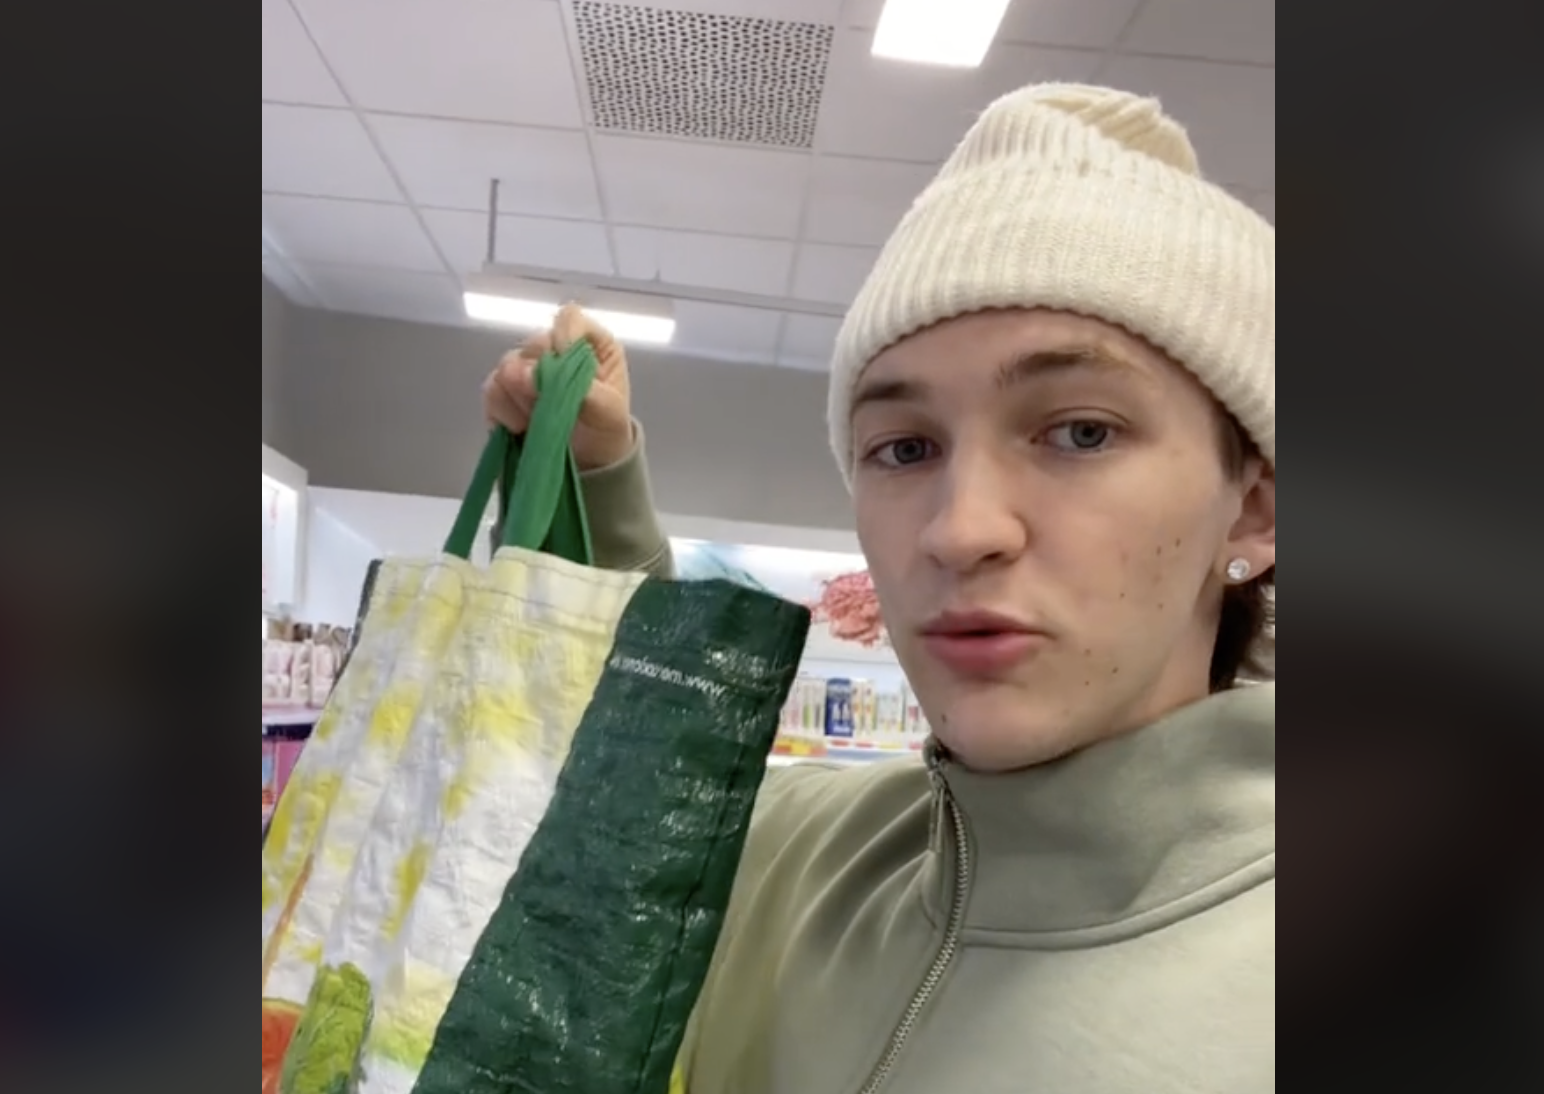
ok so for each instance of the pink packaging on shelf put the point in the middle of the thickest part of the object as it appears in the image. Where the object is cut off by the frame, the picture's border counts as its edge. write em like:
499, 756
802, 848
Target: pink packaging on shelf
270, 777
286, 756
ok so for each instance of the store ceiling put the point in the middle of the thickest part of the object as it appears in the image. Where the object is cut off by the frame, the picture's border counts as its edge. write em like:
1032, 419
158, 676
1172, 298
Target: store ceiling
770, 157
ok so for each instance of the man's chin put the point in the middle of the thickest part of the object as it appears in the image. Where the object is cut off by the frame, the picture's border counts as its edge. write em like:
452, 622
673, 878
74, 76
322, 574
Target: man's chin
1002, 732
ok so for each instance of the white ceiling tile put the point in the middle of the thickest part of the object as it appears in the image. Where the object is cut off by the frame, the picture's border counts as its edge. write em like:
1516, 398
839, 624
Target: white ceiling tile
322, 153
808, 342
891, 110
1229, 110
349, 233
710, 188
1088, 24
859, 202
487, 60
391, 294
726, 333
831, 275
449, 165
1219, 30
726, 263
577, 245
293, 71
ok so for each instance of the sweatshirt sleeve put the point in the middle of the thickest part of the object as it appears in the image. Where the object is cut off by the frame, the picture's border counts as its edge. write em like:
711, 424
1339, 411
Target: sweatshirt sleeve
624, 528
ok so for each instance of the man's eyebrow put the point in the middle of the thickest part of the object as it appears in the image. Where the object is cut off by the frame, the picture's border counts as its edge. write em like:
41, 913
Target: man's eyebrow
888, 391
1019, 370
1032, 366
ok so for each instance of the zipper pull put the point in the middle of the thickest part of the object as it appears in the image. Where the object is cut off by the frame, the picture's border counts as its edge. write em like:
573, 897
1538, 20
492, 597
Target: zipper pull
936, 757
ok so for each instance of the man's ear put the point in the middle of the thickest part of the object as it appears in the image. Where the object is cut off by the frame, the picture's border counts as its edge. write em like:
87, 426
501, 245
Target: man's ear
1253, 536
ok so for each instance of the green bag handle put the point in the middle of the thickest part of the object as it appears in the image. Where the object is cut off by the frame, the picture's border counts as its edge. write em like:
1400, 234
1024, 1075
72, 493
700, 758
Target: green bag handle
541, 500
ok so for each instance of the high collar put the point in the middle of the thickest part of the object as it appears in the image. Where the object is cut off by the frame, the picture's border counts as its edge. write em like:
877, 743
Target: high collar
1121, 838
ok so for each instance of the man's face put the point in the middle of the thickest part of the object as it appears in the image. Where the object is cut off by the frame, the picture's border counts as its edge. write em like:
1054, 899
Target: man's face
1047, 520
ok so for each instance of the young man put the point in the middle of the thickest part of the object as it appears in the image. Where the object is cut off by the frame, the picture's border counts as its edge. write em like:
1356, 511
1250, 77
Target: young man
1054, 403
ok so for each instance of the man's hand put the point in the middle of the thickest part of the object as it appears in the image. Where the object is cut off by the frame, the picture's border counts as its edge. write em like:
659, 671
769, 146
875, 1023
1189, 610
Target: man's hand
603, 436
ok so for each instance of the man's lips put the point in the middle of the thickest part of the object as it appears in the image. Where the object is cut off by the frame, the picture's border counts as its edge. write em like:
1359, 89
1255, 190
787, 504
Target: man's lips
974, 623
981, 644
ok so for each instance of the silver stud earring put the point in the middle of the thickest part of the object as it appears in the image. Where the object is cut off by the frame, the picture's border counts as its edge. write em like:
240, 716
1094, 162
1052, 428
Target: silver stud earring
1239, 570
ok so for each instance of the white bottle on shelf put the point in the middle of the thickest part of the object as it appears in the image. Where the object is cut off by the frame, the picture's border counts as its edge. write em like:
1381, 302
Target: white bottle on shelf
916, 728
810, 702
891, 721
863, 702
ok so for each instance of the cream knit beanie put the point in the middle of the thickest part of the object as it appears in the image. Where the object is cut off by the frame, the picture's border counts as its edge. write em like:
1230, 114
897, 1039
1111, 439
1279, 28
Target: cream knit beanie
1086, 200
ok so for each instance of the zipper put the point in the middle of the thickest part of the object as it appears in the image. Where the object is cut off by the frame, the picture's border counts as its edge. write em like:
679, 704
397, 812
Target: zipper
948, 811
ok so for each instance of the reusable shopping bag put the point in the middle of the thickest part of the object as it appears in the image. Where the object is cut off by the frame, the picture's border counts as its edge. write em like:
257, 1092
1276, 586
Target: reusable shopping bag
504, 859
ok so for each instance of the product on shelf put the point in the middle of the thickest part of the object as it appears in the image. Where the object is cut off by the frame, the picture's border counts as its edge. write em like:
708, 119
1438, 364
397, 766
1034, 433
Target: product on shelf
300, 663
282, 746
915, 726
848, 714
850, 607
324, 669
270, 781
840, 723
804, 716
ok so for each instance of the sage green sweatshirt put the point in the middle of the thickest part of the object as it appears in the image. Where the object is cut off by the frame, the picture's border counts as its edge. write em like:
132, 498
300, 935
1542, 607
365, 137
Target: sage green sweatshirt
1105, 924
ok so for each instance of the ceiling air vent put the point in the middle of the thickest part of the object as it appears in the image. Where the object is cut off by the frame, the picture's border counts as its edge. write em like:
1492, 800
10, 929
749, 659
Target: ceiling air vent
702, 76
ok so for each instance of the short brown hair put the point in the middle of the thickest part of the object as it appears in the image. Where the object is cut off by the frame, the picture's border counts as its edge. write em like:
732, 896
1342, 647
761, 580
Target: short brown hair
1246, 636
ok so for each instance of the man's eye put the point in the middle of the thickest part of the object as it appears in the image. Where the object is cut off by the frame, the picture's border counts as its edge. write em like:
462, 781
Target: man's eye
904, 452
1081, 436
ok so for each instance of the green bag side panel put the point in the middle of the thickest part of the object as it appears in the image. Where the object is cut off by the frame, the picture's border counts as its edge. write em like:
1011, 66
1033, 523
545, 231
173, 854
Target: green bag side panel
585, 977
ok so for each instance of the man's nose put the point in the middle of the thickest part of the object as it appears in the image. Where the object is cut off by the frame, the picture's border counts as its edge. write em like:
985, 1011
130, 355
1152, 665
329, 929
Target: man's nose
976, 519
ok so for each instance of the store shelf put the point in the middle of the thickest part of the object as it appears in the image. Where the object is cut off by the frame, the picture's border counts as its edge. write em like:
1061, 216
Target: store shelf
290, 716
837, 751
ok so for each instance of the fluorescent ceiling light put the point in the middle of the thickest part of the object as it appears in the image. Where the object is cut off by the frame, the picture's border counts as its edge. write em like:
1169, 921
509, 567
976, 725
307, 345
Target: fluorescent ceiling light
532, 305
955, 33
509, 311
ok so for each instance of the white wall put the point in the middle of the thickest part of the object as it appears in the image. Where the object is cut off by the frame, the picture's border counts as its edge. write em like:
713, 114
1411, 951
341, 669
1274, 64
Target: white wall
285, 571
337, 558
348, 528
395, 524
275, 309
749, 534
351, 528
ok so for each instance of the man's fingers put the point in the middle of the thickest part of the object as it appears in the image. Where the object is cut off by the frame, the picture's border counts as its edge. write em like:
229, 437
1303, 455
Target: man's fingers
567, 327
517, 375
510, 392
536, 347
573, 323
